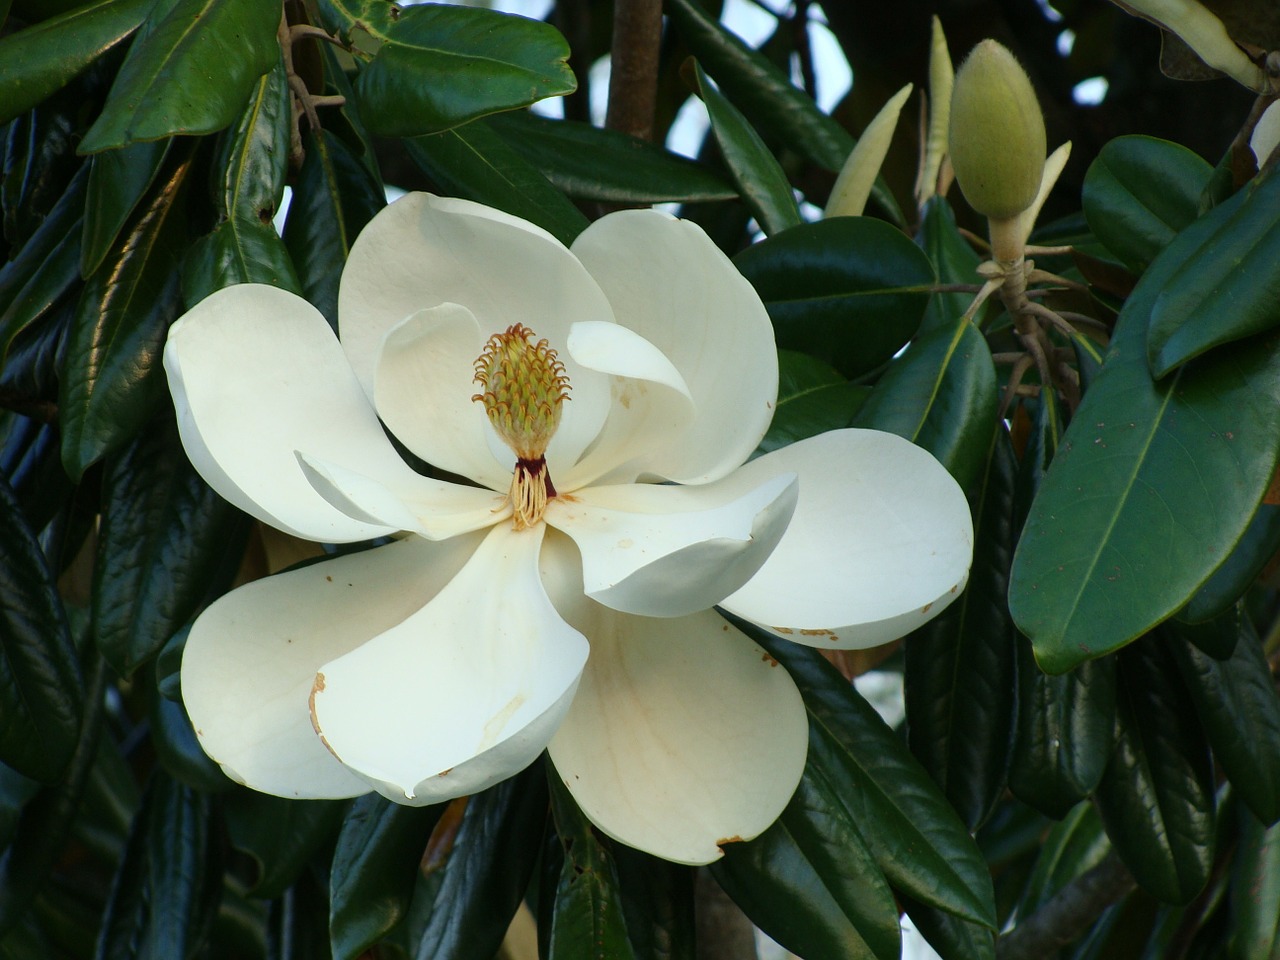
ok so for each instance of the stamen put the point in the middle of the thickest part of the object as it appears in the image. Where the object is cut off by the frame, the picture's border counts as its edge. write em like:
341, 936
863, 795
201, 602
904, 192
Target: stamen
524, 386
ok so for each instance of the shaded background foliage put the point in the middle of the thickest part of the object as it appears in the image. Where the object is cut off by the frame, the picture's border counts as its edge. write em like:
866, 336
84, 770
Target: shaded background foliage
1121, 806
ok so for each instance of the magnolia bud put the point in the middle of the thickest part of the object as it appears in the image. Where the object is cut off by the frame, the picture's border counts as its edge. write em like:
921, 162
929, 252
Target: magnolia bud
997, 133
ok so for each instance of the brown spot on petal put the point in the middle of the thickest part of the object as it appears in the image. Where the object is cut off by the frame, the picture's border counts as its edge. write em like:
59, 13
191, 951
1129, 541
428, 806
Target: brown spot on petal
769, 660
926, 607
785, 631
816, 633
727, 840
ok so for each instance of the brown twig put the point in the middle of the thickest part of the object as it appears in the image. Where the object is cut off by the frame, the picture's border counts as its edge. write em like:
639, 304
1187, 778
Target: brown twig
633, 72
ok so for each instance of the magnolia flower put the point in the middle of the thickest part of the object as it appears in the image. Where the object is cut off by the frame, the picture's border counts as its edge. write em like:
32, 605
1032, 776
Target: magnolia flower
592, 409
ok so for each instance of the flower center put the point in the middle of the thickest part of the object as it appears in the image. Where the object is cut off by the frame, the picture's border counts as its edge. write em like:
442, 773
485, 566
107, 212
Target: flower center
524, 386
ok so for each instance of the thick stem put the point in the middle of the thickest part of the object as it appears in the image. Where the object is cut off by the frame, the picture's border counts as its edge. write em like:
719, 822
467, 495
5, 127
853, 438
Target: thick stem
633, 72
1061, 921
1007, 245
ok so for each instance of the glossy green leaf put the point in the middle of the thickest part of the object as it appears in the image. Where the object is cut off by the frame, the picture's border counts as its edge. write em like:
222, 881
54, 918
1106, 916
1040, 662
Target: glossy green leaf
189, 72
438, 66
333, 198
1139, 193
1156, 797
588, 922
954, 261
591, 163
44, 272
40, 161
755, 171
46, 821
1229, 582
849, 291
812, 399
951, 937
166, 887
1226, 286
41, 59
767, 97
657, 904
164, 535
29, 457
40, 686
253, 156
374, 865
118, 180
280, 835
475, 163
959, 678
1074, 846
1217, 637
1237, 704
476, 872
915, 837
1255, 892
810, 882
940, 394
1157, 481
237, 251
111, 376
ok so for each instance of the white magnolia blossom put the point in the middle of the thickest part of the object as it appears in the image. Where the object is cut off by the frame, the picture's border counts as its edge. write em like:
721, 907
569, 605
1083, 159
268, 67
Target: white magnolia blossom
569, 610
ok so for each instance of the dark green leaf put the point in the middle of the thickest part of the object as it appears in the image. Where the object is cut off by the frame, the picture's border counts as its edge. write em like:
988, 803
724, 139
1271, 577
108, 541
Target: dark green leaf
253, 155
810, 882
40, 161
280, 835
111, 376
756, 172
476, 870
940, 394
1139, 193
1156, 797
911, 830
954, 261
1226, 285
163, 537
588, 922
657, 902
296, 928
118, 180
1066, 725
959, 674
1255, 891
374, 865
952, 937
1217, 637
1071, 848
437, 66
767, 97
166, 888
41, 59
31, 460
475, 163
45, 271
189, 72
849, 291
40, 689
178, 750
334, 197
1158, 481
812, 399
46, 821
237, 251
15, 791
590, 163
1229, 582
1240, 711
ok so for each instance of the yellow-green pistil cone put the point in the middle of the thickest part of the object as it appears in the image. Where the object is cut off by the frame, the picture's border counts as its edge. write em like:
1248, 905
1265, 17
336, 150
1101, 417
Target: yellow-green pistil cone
524, 386
997, 133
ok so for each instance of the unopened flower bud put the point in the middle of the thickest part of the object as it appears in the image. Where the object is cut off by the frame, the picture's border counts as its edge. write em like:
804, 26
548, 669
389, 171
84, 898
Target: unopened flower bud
997, 133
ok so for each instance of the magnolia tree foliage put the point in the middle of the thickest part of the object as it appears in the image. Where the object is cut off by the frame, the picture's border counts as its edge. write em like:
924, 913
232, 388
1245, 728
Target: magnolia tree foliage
1003, 446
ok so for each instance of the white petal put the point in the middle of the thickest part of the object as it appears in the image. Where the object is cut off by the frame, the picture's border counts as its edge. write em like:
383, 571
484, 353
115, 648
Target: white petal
668, 551
422, 251
256, 373
684, 735
252, 656
435, 509
668, 282
1266, 135
464, 693
881, 542
651, 402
